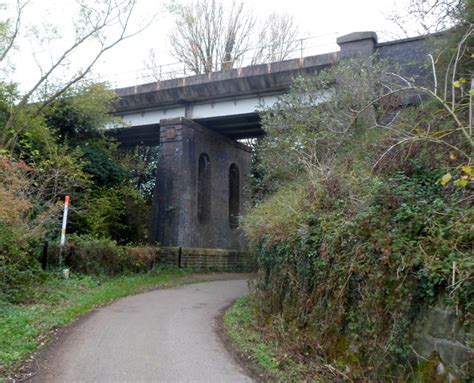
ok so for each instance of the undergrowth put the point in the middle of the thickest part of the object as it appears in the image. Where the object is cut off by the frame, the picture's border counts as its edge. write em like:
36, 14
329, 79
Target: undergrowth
346, 266
272, 357
240, 326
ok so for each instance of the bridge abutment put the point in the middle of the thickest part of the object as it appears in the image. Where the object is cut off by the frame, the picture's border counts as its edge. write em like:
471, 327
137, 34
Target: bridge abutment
200, 190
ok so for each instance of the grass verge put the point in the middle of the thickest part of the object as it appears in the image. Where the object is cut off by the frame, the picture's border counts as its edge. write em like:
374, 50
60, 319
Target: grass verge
57, 302
258, 351
239, 325
270, 351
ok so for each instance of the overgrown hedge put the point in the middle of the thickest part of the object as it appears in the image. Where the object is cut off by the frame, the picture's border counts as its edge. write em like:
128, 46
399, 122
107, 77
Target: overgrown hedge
84, 254
89, 255
348, 265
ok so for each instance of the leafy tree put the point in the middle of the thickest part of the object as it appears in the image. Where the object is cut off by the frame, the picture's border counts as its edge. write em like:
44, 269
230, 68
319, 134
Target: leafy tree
52, 143
101, 164
8, 96
113, 204
315, 125
82, 112
99, 25
120, 213
141, 163
422, 17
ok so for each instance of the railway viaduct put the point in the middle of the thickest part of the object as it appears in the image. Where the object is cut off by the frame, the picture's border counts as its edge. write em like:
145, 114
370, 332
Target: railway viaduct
197, 122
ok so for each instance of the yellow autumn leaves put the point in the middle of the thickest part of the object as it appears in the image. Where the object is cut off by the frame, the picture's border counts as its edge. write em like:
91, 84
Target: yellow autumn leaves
466, 177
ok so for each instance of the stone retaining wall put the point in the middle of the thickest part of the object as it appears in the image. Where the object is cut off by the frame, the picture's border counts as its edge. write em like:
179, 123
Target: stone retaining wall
442, 343
207, 259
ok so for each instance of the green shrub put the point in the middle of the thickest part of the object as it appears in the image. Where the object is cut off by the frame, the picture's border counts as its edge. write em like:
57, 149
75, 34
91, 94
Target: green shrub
90, 255
120, 213
369, 219
140, 258
18, 266
19, 270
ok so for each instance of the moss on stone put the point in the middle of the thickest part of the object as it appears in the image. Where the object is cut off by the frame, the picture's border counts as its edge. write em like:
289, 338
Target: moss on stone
433, 370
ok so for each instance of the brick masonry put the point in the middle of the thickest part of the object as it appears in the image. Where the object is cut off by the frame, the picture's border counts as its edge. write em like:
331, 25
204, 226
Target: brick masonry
175, 216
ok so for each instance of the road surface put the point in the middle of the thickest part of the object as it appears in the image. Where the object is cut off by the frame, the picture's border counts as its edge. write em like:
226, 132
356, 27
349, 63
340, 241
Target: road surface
160, 336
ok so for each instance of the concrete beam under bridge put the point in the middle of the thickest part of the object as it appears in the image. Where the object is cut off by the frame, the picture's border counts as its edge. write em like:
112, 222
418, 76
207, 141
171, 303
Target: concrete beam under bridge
202, 110
234, 127
227, 102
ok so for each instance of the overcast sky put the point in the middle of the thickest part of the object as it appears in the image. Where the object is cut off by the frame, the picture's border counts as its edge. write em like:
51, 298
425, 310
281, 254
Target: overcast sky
317, 17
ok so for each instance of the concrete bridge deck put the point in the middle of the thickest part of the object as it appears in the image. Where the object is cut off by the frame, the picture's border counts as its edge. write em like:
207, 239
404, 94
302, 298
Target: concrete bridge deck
228, 101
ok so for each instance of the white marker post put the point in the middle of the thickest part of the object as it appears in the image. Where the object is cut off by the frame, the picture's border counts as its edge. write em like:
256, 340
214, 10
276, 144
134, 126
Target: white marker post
63, 231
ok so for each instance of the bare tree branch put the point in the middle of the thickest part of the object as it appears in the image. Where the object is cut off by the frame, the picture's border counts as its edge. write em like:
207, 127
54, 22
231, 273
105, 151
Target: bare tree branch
95, 23
20, 6
276, 39
423, 17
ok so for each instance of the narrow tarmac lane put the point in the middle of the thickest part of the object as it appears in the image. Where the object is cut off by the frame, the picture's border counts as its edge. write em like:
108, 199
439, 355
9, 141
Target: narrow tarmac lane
159, 336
